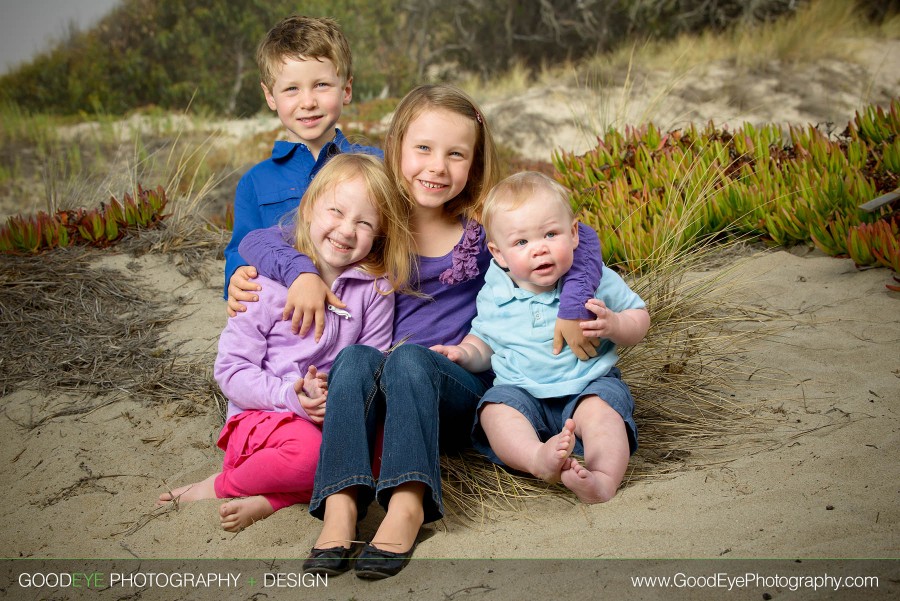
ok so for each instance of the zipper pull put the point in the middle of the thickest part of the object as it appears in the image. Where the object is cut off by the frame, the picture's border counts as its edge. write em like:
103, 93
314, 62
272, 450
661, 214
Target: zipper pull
339, 312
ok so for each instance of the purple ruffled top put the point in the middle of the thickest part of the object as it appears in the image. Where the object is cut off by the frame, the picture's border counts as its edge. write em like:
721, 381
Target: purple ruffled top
464, 260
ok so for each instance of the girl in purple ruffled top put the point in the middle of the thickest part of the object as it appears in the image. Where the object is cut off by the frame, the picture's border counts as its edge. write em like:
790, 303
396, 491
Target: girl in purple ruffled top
441, 156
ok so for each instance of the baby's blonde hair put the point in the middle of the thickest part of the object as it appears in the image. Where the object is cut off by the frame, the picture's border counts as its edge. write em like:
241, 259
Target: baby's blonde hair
483, 173
391, 254
515, 190
303, 38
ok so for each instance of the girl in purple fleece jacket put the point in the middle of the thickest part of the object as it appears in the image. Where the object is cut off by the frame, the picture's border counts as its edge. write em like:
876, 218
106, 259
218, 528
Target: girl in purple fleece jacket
355, 225
440, 154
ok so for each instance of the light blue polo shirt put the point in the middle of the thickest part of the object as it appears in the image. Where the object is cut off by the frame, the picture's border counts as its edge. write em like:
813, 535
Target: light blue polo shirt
518, 326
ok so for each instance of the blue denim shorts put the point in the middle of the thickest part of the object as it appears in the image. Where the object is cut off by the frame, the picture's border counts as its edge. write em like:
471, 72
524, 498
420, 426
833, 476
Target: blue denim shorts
548, 416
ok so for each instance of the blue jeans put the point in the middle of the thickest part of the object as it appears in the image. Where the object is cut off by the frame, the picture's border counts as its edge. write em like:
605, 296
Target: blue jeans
427, 403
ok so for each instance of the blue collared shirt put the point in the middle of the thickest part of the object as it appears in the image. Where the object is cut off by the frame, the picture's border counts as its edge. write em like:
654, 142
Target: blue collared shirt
518, 326
273, 188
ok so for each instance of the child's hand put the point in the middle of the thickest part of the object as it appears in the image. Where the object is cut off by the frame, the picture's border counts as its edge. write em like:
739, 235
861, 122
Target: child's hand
455, 353
570, 331
315, 383
306, 301
314, 406
605, 326
240, 289
472, 353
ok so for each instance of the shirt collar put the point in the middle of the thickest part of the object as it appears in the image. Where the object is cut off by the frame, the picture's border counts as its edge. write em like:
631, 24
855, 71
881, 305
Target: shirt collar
505, 290
284, 149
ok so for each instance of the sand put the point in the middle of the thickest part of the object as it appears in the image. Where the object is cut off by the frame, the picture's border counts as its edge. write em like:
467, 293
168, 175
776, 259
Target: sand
822, 483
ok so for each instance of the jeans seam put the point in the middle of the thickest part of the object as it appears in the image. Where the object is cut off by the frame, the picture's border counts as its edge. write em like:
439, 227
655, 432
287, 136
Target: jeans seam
435, 489
376, 379
421, 477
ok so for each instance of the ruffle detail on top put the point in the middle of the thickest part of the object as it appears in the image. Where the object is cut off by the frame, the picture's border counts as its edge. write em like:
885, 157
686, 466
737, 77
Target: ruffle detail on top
464, 260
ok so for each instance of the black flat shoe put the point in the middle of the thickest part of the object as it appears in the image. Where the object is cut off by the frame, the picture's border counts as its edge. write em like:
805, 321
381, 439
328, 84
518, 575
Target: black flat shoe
330, 562
375, 564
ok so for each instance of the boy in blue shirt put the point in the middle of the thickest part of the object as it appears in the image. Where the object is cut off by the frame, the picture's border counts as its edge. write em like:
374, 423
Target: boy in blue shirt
306, 76
544, 407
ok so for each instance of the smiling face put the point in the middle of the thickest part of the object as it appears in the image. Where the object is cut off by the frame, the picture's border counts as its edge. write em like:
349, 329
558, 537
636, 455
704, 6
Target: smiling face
435, 156
308, 96
535, 241
343, 225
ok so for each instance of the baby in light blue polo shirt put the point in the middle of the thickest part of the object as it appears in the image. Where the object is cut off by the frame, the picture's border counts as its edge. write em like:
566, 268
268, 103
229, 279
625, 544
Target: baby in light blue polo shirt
544, 408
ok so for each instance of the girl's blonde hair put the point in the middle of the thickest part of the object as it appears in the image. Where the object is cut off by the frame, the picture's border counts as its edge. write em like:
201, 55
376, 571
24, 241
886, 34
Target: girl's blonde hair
483, 173
391, 255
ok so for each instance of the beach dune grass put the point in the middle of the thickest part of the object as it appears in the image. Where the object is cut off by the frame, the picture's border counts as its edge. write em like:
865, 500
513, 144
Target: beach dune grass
688, 384
691, 390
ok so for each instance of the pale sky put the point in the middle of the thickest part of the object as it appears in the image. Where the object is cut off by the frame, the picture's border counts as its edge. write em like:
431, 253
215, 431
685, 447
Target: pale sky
29, 26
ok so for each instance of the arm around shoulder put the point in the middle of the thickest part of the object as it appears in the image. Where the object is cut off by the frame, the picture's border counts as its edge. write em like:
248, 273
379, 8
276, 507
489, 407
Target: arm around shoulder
273, 256
582, 279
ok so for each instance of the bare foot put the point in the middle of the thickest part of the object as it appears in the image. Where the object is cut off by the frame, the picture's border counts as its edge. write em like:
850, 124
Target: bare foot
238, 514
205, 489
590, 487
339, 525
551, 456
405, 514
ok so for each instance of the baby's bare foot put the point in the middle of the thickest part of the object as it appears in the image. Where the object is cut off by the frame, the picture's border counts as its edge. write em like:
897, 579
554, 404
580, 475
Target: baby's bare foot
237, 514
205, 489
551, 456
588, 486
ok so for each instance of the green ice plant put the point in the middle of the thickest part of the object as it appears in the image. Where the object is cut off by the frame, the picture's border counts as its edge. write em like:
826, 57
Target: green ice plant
789, 187
96, 227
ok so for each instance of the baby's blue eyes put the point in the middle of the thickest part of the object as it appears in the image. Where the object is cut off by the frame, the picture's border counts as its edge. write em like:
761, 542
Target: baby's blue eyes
549, 235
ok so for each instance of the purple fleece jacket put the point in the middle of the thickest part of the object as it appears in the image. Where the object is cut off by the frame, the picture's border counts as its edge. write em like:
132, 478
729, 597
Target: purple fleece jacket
260, 358
446, 316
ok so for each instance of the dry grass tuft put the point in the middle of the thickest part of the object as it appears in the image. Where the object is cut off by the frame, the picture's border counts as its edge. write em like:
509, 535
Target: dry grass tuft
187, 241
97, 331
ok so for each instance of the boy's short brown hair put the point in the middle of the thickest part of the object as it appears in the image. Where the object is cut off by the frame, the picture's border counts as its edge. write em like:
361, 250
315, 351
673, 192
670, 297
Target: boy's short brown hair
518, 188
303, 38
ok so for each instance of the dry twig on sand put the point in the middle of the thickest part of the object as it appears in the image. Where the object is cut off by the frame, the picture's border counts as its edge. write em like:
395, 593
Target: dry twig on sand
71, 326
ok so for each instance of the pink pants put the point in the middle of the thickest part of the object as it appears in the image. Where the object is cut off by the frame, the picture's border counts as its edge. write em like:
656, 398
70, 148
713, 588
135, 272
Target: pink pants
273, 454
